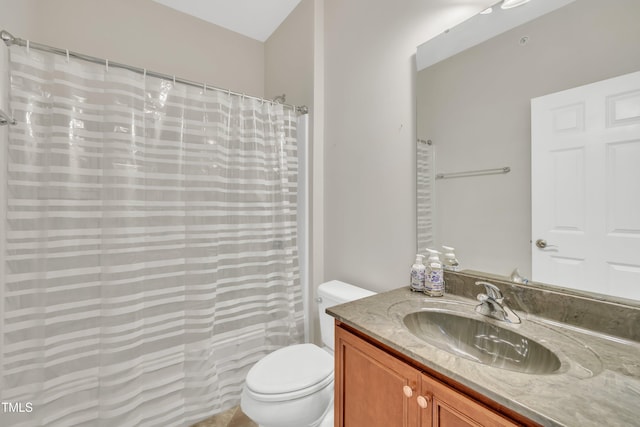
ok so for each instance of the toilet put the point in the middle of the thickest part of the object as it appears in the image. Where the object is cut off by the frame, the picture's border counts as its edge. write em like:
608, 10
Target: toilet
293, 386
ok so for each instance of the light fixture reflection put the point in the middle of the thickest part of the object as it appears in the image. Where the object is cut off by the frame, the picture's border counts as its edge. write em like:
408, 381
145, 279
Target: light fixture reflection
487, 11
508, 4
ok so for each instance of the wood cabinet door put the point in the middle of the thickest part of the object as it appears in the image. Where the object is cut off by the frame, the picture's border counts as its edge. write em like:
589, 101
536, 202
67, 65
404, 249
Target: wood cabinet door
373, 388
450, 408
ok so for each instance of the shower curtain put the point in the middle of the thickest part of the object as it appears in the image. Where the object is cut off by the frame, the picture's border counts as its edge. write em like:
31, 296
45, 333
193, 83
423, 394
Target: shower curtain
149, 245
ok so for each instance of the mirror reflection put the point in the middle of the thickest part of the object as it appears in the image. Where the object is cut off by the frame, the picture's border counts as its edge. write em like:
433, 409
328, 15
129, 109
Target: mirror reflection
474, 114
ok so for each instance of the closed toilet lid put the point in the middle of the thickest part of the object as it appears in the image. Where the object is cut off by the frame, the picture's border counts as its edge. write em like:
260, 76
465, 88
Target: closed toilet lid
295, 368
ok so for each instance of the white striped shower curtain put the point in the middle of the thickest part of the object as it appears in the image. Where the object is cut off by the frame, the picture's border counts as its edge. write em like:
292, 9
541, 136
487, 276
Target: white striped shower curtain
148, 241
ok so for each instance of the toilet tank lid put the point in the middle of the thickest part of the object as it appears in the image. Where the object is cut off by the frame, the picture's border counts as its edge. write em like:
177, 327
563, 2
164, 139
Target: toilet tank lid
291, 369
342, 292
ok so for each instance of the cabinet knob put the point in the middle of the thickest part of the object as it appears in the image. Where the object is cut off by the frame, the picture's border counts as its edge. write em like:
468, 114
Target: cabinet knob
423, 402
407, 391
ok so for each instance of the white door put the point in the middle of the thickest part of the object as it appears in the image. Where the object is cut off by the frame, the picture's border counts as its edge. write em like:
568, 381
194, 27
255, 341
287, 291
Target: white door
585, 170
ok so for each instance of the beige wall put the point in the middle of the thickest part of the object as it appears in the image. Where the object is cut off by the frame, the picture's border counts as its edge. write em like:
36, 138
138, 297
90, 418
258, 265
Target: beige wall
475, 106
289, 57
144, 34
16, 16
370, 225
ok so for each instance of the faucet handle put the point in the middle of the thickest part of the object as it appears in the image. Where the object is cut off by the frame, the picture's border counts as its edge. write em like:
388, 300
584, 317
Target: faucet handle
482, 297
491, 290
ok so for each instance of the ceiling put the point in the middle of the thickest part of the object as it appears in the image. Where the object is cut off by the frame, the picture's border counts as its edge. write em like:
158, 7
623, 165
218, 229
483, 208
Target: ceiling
257, 19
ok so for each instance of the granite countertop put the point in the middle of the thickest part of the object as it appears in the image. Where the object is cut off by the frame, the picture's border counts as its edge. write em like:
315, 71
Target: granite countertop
597, 384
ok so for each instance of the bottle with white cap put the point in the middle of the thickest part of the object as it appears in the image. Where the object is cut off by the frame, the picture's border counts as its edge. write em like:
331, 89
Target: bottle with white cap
418, 274
434, 281
450, 262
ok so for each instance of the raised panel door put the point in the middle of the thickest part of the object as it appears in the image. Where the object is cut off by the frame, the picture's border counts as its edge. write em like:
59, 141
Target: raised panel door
585, 151
373, 388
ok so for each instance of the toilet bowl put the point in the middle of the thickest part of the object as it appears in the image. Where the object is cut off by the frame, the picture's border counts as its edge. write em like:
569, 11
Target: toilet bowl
293, 386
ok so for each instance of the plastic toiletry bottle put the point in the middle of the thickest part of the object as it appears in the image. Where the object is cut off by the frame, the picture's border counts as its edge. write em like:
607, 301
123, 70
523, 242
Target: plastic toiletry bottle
418, 274
450, 262
434, 281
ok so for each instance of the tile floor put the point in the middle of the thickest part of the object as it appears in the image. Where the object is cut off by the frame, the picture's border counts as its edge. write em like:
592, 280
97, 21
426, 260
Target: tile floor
231, 418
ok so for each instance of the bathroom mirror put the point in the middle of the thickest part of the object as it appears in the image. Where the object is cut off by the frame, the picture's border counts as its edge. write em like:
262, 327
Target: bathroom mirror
474, 114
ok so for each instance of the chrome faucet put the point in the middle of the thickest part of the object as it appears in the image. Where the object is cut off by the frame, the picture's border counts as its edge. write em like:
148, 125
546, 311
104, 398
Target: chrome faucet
492, 304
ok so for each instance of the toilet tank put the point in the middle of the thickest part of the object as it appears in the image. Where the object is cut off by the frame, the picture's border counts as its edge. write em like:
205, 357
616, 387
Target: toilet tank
333, 293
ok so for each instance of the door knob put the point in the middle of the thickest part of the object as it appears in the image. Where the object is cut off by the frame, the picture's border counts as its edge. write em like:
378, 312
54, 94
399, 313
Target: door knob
542, 244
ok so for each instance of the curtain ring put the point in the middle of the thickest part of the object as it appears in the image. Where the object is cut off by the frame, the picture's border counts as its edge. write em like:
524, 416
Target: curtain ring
67, 55
28, 47
144, 74
106, 65
174, 81
204, 88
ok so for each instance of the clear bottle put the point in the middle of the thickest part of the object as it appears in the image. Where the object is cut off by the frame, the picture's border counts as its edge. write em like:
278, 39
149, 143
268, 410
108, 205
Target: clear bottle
434, 281
418, 274
450, 262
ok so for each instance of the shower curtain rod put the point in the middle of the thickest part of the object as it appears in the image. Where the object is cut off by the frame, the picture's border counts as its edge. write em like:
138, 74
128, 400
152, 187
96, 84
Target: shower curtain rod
9, 40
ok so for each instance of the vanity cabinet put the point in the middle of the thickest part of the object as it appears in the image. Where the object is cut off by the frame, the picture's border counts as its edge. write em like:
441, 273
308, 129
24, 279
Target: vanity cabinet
374, 388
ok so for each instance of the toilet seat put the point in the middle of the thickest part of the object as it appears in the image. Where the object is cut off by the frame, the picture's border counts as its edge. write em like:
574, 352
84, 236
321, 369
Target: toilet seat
290, 373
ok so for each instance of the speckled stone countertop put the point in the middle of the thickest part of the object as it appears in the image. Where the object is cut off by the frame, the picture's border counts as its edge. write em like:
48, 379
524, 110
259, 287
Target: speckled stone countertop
598, 383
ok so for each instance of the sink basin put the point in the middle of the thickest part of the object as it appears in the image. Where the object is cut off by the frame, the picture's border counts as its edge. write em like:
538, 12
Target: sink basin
482, 342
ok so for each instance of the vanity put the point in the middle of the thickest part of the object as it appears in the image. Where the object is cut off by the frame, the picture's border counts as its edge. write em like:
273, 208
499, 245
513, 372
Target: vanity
405, 359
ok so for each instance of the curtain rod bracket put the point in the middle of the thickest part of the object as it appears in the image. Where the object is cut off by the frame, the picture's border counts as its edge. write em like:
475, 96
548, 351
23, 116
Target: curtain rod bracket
7, 37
